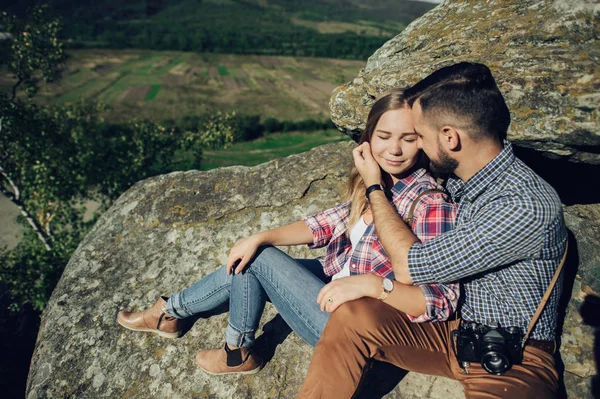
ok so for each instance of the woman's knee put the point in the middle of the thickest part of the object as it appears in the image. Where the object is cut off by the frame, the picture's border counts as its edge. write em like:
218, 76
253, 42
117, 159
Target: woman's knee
267, 257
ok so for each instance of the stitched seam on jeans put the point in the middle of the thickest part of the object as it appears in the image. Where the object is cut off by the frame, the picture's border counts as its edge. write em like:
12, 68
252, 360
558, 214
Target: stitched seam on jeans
246, 311
285, 299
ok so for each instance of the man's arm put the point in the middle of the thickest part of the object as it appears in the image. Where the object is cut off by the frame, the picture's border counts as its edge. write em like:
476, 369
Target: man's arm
395, 236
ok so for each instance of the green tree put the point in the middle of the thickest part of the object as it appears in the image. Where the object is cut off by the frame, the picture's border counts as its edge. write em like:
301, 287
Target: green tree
217, 130
36, 49
53, 159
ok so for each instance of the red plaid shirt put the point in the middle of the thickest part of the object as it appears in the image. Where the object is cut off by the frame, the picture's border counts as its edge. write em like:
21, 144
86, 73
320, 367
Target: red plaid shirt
433, 216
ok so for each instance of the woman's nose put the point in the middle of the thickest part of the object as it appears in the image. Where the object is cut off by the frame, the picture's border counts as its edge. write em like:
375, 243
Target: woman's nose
396, 148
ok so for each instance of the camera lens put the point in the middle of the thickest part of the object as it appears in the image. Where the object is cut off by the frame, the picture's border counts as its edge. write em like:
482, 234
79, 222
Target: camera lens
495, 362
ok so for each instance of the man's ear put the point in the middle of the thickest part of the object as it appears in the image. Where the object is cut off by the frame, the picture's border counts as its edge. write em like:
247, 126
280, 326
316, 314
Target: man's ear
450, 138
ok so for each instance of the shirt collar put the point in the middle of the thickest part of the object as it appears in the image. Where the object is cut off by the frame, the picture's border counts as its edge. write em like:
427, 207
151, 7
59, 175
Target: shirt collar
407, 181
482, 179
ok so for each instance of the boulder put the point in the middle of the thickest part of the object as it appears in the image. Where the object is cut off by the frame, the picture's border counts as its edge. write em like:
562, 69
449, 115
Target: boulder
544, 55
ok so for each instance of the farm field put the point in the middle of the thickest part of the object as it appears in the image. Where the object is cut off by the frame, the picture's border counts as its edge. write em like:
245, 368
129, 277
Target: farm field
271, 146
165, 84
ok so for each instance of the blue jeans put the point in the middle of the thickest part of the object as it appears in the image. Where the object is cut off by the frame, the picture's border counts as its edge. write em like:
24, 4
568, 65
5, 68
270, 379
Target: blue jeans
291, 284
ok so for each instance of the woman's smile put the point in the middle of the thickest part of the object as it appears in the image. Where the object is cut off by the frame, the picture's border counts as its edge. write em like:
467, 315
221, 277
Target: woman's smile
394, 162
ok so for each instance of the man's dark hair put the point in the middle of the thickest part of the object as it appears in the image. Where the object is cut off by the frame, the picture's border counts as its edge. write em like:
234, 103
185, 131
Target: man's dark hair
464, 95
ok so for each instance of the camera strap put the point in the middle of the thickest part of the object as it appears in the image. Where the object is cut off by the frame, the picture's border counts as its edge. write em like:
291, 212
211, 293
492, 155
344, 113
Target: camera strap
542, 304
409, 219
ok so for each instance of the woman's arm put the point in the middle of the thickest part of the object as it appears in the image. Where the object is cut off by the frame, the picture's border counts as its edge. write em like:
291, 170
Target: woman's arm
406, 298
244, 250
296, 233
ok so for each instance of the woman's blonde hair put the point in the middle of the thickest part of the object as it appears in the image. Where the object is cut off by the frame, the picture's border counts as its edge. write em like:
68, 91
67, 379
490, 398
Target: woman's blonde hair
392, 100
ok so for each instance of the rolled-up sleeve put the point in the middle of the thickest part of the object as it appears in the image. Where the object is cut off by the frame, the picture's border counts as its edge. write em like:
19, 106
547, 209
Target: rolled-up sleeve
441, 301
502, 232
323, 224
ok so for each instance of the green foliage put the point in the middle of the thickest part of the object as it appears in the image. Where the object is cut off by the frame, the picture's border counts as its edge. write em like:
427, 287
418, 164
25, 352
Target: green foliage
43, 150
30, 271
35, 49
218, 130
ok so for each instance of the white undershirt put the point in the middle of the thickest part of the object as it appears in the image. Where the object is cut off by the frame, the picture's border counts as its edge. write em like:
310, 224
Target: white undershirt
356, 233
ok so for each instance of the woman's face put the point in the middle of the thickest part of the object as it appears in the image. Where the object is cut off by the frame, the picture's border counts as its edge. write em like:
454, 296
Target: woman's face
394, 143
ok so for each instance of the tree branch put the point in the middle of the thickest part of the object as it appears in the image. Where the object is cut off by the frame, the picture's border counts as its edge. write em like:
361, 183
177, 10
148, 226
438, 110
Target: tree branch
14, 88
15, 198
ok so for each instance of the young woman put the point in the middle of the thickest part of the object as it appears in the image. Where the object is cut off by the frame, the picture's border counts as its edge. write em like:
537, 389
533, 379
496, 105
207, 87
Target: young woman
306, 291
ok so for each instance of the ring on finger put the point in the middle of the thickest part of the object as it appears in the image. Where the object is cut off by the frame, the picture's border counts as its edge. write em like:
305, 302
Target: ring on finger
329, 300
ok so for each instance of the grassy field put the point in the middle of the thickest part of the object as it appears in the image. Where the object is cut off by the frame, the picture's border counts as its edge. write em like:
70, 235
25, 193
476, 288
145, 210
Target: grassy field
370, 28
165, 84
271, 146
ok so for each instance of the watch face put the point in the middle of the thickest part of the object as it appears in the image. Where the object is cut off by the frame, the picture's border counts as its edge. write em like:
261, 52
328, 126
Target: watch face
387, 284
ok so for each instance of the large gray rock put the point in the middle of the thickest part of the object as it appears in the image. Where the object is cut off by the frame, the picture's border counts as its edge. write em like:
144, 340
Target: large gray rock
543, 53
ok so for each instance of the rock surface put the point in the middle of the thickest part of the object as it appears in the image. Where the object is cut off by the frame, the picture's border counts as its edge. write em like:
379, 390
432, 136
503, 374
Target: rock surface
544, 54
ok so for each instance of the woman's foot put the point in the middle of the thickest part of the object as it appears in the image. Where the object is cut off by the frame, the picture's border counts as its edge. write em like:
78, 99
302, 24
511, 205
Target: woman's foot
229, 361
154, 319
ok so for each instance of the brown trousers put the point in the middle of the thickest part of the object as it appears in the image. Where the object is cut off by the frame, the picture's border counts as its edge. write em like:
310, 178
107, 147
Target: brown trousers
366, 329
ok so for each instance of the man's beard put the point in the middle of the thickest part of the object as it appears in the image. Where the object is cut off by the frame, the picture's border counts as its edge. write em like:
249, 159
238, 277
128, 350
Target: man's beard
444, 165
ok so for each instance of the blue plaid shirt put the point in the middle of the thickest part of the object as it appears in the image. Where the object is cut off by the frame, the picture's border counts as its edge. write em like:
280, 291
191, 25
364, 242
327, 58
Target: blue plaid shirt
508, 241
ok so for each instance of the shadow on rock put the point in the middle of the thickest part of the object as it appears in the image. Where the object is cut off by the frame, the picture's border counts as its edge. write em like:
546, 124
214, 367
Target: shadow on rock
571, 180
189, 322
569, 273
274, 333
379, 380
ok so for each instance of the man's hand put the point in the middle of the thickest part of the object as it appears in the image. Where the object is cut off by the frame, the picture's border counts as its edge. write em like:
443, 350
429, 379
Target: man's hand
346, 289
366, 165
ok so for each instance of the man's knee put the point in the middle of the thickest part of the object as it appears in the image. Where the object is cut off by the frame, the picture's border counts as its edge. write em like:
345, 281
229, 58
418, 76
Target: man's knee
359, 316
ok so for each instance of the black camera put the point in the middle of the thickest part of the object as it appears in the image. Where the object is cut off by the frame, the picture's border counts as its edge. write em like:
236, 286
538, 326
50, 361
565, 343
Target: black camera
497, 349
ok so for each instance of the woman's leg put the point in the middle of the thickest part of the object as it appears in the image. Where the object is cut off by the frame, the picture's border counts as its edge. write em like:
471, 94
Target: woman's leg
292, 285
208, 293
164, 316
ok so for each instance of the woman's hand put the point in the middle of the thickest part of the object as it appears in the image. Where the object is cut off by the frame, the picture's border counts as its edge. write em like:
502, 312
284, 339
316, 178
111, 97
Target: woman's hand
347, 289
242, 252
366, 165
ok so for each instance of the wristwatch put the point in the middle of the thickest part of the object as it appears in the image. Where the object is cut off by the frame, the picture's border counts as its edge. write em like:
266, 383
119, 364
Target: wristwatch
371, 188
387, 286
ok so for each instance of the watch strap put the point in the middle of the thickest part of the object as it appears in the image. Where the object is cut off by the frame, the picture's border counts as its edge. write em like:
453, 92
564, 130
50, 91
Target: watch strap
383, 296
385, 292
371, 188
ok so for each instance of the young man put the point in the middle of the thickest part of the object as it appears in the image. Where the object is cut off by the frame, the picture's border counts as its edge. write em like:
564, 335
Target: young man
508, 241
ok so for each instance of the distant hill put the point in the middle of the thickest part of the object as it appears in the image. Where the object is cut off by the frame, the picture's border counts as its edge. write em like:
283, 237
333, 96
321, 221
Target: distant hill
322, 28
